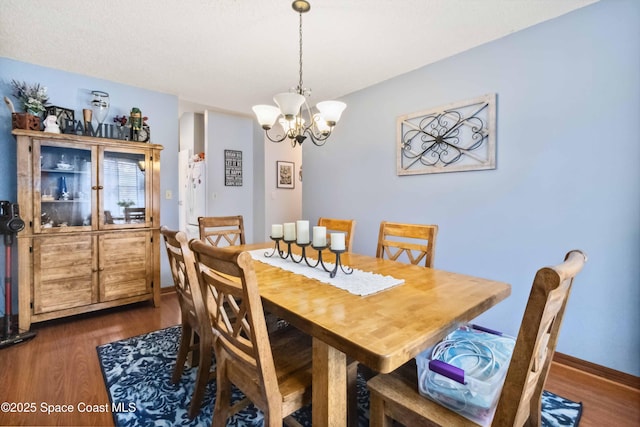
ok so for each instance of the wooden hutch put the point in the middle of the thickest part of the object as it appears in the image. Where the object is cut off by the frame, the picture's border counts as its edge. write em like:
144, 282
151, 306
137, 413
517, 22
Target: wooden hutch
79, 252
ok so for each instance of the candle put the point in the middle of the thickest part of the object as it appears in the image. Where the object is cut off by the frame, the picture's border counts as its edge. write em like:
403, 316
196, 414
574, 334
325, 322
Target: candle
319, 236
337, 242
276, 230
302, 230
290, 231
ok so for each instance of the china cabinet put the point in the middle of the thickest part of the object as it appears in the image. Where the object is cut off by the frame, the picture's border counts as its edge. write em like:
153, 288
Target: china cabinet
83, 249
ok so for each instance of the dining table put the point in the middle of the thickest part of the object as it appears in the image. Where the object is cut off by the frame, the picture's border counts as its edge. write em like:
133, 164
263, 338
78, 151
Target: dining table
382, 329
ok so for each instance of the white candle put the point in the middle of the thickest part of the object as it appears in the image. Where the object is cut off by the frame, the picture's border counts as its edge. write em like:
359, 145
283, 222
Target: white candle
276, 230
302, 231
289, 231
337, 241
319, 236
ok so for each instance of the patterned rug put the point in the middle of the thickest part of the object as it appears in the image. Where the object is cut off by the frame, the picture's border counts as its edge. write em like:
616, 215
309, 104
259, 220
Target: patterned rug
137, 373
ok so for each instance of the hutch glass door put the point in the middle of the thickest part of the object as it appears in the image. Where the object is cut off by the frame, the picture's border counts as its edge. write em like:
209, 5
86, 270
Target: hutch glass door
124, 193
65, 187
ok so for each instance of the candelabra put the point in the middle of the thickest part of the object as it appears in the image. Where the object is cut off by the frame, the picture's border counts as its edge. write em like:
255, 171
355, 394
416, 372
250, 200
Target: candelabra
303, 257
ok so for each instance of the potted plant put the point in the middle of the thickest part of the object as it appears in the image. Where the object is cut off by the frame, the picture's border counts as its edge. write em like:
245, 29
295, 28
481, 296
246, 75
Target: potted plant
125, 204
34, 99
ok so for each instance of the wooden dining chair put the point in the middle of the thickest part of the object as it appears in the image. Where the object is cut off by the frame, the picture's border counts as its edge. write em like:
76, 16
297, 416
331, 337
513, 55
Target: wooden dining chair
395, 396
346, 226
415, 241
197, 336
273, 371
222, 230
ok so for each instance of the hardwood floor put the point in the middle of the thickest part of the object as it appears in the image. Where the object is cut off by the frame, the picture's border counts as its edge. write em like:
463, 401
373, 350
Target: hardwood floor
60, 367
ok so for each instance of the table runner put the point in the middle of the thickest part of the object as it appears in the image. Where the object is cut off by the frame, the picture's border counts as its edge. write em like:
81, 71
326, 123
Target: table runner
358, 283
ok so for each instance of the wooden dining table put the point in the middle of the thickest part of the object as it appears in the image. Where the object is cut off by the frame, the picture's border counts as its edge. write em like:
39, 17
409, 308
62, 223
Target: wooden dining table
383, 330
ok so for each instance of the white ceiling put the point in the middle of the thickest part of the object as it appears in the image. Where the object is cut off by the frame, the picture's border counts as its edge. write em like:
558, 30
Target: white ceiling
232, 54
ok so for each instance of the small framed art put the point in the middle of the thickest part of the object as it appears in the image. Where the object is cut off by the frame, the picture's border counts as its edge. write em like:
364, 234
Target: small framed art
233, 168
285, 173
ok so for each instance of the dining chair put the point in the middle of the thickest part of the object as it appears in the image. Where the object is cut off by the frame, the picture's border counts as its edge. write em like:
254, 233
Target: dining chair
346, 226
416, 241
222, 230
197, 336
273, 370
395, 396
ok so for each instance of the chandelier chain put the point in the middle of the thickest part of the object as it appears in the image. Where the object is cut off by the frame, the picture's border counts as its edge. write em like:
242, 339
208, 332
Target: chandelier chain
300, 87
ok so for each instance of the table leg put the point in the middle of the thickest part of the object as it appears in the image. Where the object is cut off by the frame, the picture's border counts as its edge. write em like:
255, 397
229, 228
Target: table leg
329, 385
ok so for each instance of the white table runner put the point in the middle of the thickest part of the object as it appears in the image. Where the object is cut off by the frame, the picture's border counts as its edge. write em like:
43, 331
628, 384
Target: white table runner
358, 283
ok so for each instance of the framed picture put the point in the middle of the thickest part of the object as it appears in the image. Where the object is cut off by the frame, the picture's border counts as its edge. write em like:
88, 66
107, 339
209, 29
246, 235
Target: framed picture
285, 174
233, 168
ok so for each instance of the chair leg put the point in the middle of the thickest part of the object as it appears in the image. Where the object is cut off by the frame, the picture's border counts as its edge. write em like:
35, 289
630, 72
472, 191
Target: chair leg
273, 415
183, 352
202, 378
223, 397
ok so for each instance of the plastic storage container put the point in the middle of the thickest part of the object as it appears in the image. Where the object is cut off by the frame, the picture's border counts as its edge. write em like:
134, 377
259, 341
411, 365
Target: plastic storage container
465, 372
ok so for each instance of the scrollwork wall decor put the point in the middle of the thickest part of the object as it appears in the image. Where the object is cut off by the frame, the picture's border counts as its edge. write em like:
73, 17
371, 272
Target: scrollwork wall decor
457, 137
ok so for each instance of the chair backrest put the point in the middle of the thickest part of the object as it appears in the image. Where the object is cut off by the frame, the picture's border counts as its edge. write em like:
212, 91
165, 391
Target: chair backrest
416, 241
346, 226
134, 214
185, 279
108, 218
521, 394
242, 346
222, 230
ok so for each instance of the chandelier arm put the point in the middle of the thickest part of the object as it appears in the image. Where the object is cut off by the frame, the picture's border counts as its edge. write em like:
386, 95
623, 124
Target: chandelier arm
277, 139
318, 140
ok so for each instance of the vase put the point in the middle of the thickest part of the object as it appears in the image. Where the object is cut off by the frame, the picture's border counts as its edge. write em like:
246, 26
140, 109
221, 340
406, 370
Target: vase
64, 193
25, 121
100, 105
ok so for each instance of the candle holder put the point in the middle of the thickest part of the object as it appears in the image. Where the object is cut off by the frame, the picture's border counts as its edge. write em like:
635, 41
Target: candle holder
319, 260
275, 248
333, 273
303, 256
289, 253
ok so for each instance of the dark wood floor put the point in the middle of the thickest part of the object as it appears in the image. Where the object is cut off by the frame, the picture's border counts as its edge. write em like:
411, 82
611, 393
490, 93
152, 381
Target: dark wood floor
60, 367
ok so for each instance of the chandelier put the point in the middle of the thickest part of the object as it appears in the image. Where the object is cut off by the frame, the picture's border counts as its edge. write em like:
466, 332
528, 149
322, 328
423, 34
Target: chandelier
289, 112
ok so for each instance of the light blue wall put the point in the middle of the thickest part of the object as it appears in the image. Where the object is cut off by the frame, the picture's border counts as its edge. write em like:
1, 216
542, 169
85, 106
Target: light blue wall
567, 174
72, 91
228, 132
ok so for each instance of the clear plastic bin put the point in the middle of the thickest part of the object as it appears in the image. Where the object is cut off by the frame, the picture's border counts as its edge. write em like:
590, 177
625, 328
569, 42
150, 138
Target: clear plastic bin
465, 371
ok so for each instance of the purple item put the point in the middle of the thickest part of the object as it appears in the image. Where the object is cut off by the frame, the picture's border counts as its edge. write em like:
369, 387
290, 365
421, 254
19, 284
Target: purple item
487, 330
449, 371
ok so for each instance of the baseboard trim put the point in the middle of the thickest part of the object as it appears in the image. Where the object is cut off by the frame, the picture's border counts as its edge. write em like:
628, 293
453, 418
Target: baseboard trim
598, 370
167, 289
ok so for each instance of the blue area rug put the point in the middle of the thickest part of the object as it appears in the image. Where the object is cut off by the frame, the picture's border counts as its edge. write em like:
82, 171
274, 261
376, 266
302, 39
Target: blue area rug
137, 373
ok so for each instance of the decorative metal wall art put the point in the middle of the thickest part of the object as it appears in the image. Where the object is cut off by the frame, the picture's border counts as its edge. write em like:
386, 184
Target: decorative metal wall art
456, 137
